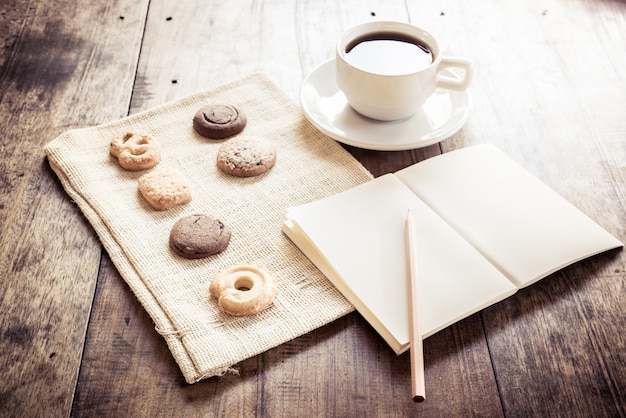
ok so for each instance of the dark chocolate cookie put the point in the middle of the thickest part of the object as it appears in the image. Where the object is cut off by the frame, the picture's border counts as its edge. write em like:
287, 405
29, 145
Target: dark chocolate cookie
219, 121
199, 236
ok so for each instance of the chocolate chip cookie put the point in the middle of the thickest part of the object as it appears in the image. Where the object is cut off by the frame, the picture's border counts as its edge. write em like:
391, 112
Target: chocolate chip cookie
199, 236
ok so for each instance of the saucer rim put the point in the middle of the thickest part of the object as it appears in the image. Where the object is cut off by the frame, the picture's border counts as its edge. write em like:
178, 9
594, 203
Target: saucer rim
423, 141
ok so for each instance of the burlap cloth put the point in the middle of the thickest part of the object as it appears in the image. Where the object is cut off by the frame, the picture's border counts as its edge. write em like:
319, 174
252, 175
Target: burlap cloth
173, 290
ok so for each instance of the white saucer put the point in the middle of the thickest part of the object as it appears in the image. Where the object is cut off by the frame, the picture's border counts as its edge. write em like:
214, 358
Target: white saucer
325, 106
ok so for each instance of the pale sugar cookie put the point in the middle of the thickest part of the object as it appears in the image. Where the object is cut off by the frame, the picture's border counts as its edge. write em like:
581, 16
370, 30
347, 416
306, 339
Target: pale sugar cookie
165, 188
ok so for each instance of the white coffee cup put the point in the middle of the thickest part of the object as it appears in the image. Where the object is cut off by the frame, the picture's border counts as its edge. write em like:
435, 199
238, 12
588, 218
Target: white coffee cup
388, 94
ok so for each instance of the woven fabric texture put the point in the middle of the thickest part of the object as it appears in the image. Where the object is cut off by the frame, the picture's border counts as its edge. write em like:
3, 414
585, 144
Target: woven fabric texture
174, 290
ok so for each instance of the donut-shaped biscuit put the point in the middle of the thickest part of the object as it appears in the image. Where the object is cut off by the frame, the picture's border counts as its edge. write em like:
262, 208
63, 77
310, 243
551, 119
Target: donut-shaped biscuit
243, 289
135, 151
219, 121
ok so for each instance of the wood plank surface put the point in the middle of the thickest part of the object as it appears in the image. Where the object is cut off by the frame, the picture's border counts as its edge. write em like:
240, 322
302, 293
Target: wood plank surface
217, 54
61, 67
549, 90
546, 73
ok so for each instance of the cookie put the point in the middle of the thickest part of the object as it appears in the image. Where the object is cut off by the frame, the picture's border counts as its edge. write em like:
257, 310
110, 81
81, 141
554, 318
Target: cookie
165, 188
199, 236
135, 151
246, 156
219, 121
243, 289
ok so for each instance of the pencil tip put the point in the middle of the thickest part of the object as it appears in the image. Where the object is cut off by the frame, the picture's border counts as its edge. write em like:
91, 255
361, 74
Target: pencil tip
418, 398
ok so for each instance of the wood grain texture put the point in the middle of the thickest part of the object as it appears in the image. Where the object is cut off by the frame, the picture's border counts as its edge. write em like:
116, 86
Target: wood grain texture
311, 373
548, 92
554, 349
342, 369
57, 68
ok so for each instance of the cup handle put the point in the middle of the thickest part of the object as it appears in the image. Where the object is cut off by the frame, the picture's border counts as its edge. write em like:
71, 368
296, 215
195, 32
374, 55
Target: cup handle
453, 83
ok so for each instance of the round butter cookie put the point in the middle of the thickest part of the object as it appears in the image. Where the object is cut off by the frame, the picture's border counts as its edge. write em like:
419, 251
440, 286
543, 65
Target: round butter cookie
246, 156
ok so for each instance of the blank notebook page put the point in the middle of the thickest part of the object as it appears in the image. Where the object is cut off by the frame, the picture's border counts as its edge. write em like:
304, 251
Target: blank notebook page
525, 228
361, 234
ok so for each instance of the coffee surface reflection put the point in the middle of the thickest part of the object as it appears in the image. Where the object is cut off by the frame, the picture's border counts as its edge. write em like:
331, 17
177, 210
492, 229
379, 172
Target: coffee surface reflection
388, 53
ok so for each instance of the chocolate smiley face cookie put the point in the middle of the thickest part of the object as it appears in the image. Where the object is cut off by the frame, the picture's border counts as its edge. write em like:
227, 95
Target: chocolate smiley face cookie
219, 121
246, 156
199, 236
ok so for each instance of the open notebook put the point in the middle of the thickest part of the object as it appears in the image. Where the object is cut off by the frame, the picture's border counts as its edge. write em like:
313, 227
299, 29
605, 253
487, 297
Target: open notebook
485, 227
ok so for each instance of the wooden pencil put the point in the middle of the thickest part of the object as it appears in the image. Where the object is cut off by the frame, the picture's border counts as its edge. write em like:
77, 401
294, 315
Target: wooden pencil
415, 336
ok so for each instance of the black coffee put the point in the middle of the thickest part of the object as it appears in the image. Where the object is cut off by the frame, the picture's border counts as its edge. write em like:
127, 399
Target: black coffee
388, 53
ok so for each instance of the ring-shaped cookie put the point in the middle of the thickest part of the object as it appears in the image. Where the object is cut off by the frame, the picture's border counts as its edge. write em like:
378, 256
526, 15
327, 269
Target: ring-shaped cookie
243, 289
135, 151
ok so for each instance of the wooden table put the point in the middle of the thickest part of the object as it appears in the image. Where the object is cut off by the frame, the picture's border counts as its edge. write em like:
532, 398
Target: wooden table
550, 90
